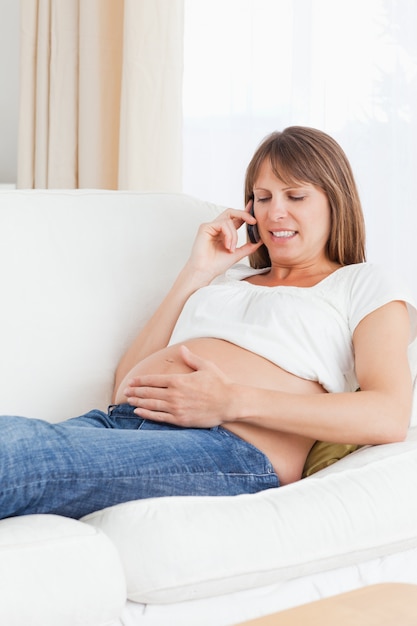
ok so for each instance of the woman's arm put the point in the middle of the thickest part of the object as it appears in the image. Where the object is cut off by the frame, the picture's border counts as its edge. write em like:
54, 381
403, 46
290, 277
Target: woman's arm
379, 413
214, 251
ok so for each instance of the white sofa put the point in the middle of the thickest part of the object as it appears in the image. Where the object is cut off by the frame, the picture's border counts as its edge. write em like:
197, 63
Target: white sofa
80, 272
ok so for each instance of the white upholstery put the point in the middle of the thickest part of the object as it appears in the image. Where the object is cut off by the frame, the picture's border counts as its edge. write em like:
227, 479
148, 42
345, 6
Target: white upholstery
81, 271
265, 538
58, 572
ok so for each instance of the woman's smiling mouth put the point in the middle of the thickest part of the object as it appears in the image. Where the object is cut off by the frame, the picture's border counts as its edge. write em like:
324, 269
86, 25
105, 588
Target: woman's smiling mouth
284, 234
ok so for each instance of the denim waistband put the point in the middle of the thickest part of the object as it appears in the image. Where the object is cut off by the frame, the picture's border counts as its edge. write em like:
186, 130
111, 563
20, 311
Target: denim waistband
121, 409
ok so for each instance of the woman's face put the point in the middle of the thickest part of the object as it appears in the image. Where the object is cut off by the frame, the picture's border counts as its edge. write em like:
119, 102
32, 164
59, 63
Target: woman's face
293, 220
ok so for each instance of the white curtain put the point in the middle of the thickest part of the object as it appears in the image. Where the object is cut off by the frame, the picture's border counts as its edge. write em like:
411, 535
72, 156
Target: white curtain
348, 67
100, 97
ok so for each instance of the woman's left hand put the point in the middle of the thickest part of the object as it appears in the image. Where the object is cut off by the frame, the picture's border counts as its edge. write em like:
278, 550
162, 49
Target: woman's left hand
194, 400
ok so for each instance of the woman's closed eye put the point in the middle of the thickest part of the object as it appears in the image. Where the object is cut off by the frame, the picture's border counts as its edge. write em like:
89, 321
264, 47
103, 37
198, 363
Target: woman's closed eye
293, 198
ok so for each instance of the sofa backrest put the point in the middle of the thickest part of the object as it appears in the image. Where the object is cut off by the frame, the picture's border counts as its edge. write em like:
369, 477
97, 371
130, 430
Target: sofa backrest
81, 271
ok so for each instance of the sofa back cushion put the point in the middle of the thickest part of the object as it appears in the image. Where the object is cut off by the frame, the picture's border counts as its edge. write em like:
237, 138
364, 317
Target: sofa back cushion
81, 272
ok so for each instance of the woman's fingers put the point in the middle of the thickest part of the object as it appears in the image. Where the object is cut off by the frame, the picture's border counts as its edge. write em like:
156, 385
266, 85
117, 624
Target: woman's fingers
229, 222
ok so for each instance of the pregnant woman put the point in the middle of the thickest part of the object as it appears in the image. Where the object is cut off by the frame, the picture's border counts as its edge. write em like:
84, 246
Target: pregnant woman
243, 367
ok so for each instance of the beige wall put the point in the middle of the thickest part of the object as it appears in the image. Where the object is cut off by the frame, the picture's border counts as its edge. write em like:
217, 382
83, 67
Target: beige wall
9, 88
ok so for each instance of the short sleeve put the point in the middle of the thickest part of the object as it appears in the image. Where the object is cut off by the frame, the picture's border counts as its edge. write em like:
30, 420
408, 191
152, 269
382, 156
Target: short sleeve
372, 286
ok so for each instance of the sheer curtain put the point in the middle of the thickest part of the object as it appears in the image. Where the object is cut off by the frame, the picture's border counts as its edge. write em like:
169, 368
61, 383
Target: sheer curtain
101, 94
347, 67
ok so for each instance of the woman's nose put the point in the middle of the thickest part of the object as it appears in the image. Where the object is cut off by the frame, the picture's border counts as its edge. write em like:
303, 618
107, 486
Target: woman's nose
277, 208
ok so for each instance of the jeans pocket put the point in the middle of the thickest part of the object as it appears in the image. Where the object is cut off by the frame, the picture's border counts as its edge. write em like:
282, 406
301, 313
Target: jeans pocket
250, 455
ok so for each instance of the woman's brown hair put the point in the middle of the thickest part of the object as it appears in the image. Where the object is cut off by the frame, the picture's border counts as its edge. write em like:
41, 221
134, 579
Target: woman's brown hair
305, 155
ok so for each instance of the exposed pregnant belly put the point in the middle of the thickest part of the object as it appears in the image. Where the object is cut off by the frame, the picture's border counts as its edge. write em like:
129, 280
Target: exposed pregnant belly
286, 452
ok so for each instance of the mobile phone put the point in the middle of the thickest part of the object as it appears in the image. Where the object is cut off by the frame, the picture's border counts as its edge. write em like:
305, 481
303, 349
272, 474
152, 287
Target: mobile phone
252, 229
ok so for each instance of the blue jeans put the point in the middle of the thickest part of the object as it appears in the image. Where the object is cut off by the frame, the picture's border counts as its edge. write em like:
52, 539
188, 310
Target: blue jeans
97, 460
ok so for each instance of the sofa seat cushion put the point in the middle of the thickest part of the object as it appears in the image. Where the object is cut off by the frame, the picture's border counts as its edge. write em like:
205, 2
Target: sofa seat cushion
56, 571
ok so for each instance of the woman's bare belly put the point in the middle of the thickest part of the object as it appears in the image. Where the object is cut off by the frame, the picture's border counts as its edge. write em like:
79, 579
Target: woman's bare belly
286, 452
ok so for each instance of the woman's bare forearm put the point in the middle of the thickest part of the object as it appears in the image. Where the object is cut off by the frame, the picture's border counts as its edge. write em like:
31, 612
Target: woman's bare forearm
366, 417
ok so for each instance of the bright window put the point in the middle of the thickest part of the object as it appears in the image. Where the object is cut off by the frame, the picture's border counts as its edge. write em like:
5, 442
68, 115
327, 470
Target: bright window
348, 67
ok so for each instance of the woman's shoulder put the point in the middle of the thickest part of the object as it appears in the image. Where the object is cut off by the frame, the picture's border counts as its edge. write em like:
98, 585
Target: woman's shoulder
361, 276
368, 282
371, 285
358, 271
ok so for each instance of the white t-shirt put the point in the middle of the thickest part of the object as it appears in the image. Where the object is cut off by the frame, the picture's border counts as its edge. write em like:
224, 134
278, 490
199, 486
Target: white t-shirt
307, 331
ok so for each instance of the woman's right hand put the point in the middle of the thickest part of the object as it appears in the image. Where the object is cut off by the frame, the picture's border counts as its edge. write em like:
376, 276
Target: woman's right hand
216, 248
